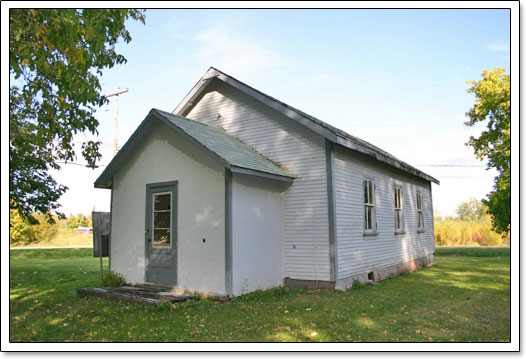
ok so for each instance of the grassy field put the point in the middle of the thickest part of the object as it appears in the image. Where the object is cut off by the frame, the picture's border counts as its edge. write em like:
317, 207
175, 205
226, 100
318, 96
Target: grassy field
464, 297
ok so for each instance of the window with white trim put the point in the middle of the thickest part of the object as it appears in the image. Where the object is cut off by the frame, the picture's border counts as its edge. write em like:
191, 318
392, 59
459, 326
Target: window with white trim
162, 219
419, 205
369, 208
398, 203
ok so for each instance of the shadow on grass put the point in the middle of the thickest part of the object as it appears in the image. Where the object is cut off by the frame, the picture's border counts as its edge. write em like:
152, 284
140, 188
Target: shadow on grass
461, 298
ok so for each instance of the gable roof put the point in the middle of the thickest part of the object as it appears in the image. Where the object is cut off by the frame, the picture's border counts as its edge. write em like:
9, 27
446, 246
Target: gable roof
329, 132
224, 148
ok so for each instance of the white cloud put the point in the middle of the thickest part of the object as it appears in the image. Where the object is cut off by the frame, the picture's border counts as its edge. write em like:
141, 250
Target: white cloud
229, 51
176, 28
498, 46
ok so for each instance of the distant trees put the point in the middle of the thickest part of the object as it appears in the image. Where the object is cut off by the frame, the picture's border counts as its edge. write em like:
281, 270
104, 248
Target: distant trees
23, 232
472, 210
79, 220
471, 227
492, 106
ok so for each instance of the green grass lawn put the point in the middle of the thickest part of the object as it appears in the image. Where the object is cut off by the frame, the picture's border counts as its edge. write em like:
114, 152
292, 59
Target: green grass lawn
464, 297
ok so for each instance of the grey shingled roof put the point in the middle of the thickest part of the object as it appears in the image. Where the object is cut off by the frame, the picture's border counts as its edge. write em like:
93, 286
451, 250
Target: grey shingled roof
227, 147
336, 135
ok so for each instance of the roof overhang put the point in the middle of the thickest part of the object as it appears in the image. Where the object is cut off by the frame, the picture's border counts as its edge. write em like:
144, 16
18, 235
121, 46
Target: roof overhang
105, 180
302, 118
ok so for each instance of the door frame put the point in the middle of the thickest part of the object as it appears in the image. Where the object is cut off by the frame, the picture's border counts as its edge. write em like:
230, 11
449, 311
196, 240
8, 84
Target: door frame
148, 233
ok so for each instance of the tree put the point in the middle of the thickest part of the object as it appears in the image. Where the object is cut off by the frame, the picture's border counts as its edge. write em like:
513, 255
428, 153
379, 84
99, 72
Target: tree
22, 232
471, 211
56, 57
492, 104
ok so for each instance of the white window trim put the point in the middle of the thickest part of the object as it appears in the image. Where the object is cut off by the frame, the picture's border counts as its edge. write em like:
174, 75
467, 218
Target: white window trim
421, 228
400, 230
371, 231
153, 218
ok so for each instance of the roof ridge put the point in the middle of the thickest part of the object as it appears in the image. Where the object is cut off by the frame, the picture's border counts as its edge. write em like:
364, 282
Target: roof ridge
336, 131
321, 122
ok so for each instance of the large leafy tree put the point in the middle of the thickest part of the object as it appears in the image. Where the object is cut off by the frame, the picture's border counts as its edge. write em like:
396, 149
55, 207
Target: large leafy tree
492, 106
471, 211
56, 58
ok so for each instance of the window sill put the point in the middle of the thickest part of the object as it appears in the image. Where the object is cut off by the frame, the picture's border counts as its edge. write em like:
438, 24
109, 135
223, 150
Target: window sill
370, 234
421, 231
399, 233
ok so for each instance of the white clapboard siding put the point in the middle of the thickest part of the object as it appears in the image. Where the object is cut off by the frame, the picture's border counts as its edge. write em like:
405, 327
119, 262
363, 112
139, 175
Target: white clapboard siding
358, 254
305, 211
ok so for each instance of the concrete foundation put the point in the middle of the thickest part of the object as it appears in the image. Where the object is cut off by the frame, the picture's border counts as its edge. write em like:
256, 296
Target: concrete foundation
376, 275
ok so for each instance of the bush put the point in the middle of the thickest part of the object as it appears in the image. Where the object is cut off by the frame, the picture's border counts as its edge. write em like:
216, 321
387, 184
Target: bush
356, 284
113, 279
455, 232
43, 231
257, 295
20, 231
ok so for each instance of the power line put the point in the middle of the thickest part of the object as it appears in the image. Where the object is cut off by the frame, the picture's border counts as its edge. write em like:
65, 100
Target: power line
450, 165
80, 164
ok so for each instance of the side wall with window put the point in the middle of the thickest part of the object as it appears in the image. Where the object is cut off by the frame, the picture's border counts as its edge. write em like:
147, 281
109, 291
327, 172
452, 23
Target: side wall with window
162, 156
359, 254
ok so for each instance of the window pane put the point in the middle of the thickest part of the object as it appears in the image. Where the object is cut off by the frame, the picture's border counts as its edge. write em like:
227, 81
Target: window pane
366, 196
398, 220
369, 219
161, 220
161, 237
371, 191
161, 202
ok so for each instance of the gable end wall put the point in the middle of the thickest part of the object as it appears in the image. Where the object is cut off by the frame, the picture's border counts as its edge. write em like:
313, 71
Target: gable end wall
300, 150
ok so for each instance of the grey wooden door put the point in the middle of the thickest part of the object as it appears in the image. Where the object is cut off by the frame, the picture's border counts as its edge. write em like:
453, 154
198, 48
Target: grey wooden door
161, 233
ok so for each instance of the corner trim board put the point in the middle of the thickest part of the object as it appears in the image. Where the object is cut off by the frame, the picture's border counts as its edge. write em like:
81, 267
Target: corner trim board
228, 232
111, 224
329, 159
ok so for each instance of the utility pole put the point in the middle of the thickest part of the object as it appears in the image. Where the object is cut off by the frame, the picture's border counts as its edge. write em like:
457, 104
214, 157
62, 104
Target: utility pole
117, 93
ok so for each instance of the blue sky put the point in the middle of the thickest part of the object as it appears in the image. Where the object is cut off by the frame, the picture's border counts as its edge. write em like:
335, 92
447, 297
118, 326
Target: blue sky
396, 78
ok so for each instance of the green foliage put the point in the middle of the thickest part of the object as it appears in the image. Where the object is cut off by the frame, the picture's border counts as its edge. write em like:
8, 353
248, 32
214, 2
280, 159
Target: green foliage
356, 284
472, 210
79, 220
257, 295
112, 279
20, 231
44, 230
492, 104
455, 232
56, 58
474, 252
